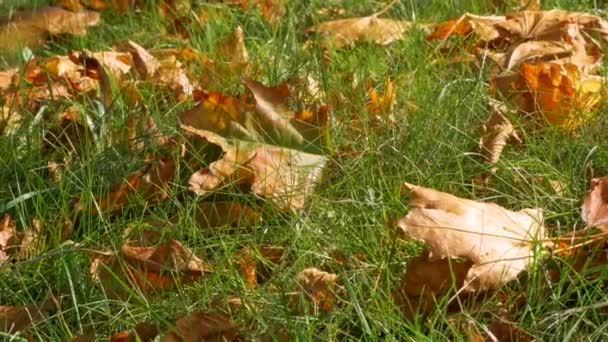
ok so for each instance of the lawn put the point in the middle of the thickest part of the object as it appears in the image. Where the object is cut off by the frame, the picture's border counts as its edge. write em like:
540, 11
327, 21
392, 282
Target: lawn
81, 186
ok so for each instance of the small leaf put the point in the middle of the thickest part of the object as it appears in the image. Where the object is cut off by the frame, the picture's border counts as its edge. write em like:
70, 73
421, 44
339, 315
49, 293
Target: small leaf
595, 205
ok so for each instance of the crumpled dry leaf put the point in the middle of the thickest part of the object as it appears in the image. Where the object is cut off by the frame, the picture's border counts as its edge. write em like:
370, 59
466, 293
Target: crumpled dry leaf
496, 132
273, 150
8, 238
146, 266
427, 279
255, 264
560, 93
203, 326
31, 28
319, 287
595, 205
18, 318
343, 32
225, 213
142, 332
499, 242
151, 182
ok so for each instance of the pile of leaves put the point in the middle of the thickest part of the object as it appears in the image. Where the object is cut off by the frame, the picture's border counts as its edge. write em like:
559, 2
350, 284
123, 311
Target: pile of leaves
264, 148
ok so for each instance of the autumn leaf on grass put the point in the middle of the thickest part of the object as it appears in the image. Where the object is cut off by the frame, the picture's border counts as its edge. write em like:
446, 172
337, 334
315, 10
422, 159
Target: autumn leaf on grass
499, 242
151, 182
255, 263
559, 93
426, 280
142, 332
146, 267
380, 106
32, 27
225, 213
203, 326
278, 153
18, 318
468, 23
496, 132
319, 287
343, 32
595, 205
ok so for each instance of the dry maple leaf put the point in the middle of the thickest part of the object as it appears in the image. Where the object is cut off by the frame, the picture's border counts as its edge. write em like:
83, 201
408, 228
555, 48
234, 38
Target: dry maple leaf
270, 149
30, 28
319, 287
344, 32
499, 242
560, 93
496, 132
595, 205
203, 326
146, 268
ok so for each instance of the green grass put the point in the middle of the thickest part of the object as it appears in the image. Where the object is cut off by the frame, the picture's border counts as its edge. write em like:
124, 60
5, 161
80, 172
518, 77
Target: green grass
434, 146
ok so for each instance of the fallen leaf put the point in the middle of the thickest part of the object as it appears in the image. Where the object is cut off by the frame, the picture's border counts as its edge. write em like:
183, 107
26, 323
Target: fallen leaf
203, 326
468, 23
496, 132
224, 213
319, 287
343, 32
151, 182
142, 332
270, 149
8, 238
425, 280
595, 205
381, 105
502, 330
18, 318
559, 93
256, 264
146, 268
32, 27
499, 242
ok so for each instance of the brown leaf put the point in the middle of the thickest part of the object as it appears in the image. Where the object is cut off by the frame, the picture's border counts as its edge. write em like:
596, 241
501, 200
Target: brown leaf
496, 132
146, 268
202, 326
344, 32
425, 280
151, 182
501, 330
19, 318
481, 26
319, 287
255, 263
31, 28
8, 238
142, 332
217, 214
595, 205
499, 242
271, 149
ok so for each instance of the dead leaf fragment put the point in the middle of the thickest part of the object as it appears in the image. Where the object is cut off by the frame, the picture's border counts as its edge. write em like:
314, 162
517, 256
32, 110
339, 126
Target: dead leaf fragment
595, 205
499, 242
30, 28
142, 332
256, 264
146, 268
426, 280
18, 318
224, 213
319, 287
344, 32
496, 132
203, 326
